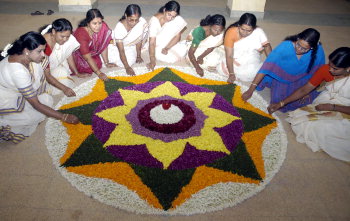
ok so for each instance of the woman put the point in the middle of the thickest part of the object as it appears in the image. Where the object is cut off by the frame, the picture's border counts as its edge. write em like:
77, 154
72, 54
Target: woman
244, 43
325, 124
129, 35
24, 101
206, 38
289, 66
165, 29
60, 46
94, 36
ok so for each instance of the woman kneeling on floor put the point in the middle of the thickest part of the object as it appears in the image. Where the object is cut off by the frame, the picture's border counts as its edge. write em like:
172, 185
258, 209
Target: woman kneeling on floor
24, 99
165, 29
325, 124
205, 40
129, 35
60, 46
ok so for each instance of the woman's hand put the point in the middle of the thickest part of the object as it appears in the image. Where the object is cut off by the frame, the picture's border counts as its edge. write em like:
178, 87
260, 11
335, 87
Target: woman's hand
200, 60
231, 78
70, 118
139, 60
200, 71
325, 107
103, 76
69, 92
273, 107
248, 94
165, 51
110, 65
130, 71
151, 65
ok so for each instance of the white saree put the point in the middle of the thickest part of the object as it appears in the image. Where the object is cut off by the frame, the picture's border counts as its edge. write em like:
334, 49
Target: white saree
59, 67
247, 56
325, 130
164, 34
18, 119
137, 34
212, 59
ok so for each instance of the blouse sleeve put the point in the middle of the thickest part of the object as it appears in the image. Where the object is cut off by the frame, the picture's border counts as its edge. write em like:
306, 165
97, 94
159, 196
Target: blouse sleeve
262, 37
23, 82
153, 27
320, 75
84, 40
119, 31
198, 35
230, 37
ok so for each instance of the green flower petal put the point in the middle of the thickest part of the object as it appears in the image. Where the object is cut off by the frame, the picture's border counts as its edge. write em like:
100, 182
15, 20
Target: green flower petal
91, 151
167, 75
83, 112
253, 121
226, 91
239, 162
165, 184
112, 85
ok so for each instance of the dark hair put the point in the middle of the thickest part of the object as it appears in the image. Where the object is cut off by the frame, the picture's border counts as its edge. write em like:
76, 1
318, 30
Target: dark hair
312, 37
340, 57
59, 25
30, 40
170, 6
245, 19
130, 10
213, 20
90, 15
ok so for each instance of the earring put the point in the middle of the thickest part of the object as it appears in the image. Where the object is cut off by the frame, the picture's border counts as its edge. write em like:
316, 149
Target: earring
27, 53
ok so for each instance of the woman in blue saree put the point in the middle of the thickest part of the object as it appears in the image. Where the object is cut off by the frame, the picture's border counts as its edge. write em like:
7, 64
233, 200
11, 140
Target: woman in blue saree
288, 67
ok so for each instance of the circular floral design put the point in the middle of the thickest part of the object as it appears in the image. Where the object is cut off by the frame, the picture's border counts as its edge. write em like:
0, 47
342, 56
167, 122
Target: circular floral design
167, 145
157, 116
168, 183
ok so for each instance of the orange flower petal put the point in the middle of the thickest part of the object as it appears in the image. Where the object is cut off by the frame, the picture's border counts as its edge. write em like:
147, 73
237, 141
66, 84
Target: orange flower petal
140, 79
120, 173
98, 93
195, 80
206, 176
253, 141
238, 102
78, 133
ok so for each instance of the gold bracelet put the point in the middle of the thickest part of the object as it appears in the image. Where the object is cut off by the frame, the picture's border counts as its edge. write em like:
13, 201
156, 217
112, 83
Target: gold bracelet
281, 103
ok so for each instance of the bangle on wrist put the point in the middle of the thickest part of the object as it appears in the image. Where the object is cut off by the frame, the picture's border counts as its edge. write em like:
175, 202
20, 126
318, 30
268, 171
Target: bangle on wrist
64, 117
281, 103
254, 84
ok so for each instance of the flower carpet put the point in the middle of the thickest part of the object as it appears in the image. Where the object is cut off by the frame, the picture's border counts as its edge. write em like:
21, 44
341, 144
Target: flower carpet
166, 142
